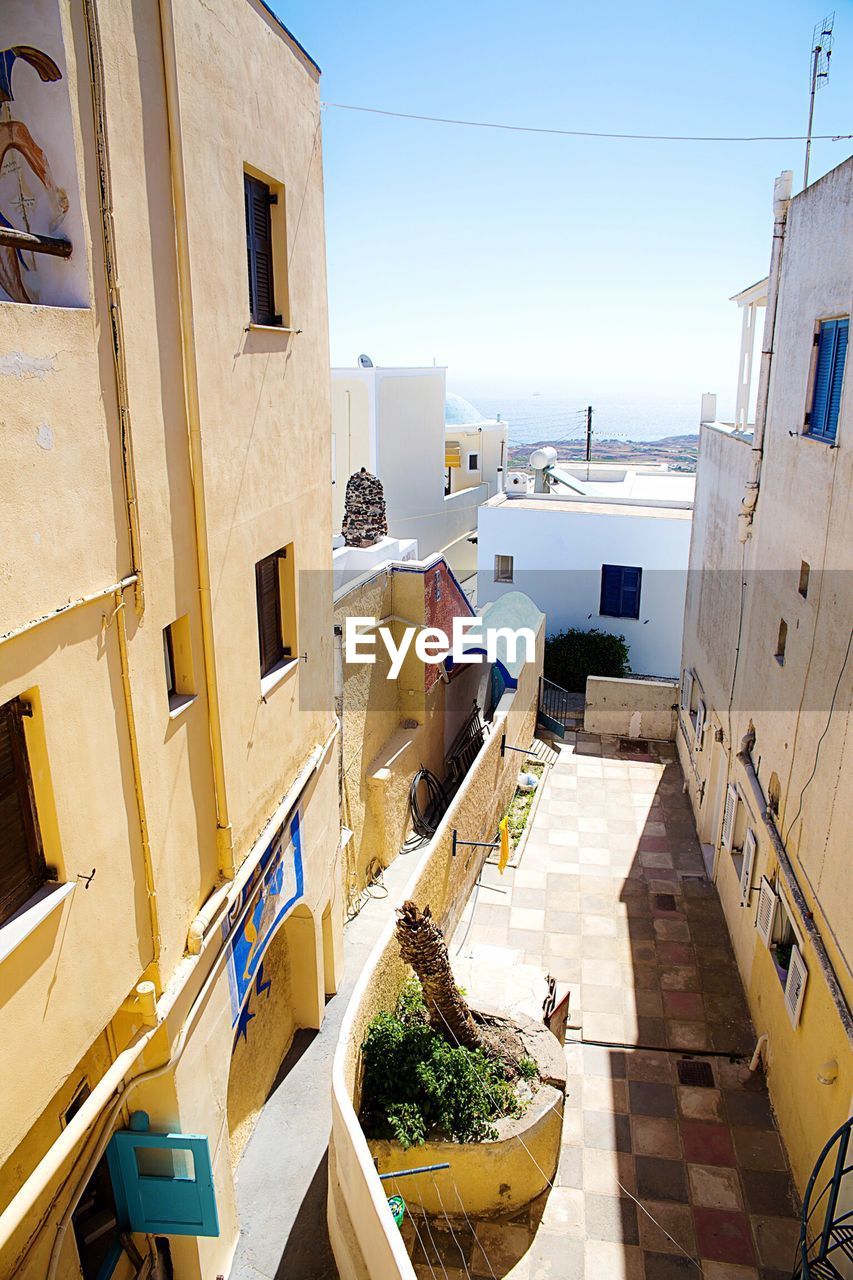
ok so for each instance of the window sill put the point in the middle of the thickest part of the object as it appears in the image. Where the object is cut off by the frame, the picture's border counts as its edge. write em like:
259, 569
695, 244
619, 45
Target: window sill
28, 917
275, 677
831, 442
179, 703
252, 327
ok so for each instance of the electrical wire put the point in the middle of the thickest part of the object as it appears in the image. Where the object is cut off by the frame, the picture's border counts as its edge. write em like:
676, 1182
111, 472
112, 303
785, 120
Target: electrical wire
588, 133
425, 821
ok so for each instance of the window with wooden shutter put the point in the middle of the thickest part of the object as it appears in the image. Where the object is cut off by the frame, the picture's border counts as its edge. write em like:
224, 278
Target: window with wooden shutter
831, 339
259, 247
699, 727
22, 868
766, 915
795, 987
747, 865
269, 612
729, 815
686, 688
620, 591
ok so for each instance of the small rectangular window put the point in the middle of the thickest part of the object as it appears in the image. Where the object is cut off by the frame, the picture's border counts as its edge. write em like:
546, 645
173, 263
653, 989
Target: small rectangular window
831, 342
259, 247
22, 866
275, 584
803, 587
503, 568
473, 461
178, 661
781, 642
620, 591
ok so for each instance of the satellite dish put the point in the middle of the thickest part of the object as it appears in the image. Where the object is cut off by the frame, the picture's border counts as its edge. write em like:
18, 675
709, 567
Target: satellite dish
365, 362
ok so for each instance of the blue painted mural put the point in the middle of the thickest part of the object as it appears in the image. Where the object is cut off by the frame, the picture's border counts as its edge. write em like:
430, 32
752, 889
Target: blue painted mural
275, 886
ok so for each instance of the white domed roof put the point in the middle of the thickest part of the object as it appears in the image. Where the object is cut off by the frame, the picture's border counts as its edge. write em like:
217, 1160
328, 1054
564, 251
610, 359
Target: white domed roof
459, 412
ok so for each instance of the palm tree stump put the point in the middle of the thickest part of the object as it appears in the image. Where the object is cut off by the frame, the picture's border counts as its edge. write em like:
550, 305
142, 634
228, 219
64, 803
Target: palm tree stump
423, 947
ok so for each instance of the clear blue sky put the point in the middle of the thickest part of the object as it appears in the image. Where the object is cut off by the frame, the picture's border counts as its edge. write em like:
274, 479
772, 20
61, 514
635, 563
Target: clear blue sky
567, 266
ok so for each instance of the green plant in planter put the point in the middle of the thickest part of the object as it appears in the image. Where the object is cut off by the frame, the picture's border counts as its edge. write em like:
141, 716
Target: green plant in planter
782, 953
417, 1084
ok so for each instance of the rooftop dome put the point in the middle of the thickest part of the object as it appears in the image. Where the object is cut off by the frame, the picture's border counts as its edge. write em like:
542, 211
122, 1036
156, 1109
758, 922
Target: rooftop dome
459, 412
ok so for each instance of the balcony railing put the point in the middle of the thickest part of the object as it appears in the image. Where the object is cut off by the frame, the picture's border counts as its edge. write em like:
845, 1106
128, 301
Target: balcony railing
825, 1250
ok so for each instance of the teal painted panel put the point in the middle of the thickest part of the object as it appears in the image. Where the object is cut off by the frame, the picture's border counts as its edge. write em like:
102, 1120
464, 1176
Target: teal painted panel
167, 1203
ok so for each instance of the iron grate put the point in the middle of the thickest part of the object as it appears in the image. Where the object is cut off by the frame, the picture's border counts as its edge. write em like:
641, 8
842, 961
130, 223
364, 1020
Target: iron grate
698, 1074
665, 902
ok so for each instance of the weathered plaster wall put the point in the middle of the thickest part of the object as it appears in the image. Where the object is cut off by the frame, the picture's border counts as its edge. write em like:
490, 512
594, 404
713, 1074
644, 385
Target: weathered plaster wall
803, 514
631, 708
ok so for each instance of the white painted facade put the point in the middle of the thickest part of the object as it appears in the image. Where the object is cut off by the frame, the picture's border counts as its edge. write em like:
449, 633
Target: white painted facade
559, 544
392, 422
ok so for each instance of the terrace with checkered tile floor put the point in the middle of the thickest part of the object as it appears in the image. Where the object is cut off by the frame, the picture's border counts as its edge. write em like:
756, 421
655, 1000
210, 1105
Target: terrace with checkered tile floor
670, 1164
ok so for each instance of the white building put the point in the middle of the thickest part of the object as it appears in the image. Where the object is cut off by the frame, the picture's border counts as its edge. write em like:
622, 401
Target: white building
437, 457
609, 552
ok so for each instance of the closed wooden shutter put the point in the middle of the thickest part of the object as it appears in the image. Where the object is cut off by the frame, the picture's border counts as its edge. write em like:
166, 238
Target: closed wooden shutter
259, 250
729, 814
21, 863
620, 591
269, 612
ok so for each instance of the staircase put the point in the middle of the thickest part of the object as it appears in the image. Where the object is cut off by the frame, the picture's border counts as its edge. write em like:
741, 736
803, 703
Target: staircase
825, 1250
559, 711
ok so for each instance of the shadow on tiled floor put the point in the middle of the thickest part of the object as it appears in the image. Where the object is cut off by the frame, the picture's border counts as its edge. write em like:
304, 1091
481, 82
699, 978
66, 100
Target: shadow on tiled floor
670, 1165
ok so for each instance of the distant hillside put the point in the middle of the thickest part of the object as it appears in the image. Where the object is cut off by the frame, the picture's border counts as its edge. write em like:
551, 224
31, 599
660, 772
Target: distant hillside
678, 452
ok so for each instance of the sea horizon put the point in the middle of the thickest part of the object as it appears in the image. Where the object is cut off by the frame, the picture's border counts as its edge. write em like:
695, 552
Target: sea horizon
535, 418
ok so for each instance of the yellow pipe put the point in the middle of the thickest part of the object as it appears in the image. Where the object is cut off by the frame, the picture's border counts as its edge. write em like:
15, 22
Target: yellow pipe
67, 608
150, 889
224, 835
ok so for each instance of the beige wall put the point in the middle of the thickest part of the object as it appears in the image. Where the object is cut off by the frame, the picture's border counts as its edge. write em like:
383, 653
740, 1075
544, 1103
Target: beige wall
264, 419
803, 514
631, 708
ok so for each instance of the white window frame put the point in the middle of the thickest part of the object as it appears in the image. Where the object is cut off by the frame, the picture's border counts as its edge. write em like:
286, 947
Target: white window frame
699, 725
473, 462
686, 689
501, 576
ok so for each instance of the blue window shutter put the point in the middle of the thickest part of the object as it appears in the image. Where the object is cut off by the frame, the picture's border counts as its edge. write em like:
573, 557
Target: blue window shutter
157, 1204
631, 592
828, 379
611, 589
837, 379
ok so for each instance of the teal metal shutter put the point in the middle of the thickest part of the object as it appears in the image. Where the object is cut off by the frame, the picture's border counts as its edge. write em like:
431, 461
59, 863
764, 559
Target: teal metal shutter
151, 1199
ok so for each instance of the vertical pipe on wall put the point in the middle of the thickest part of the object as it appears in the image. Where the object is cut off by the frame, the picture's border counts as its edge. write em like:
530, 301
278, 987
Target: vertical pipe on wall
150, 889
105, 196
224, 835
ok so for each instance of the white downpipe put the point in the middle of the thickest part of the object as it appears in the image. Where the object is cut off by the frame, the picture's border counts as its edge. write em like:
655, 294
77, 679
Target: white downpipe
781, 201
762, 1045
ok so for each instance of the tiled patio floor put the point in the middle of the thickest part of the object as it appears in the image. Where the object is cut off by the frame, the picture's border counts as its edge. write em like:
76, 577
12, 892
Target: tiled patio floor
658, 1178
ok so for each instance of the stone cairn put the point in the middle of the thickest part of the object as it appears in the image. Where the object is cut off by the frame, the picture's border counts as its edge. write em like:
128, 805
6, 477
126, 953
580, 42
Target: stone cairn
364, 520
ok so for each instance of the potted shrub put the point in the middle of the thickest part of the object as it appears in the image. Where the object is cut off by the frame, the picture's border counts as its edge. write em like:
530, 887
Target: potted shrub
781, 953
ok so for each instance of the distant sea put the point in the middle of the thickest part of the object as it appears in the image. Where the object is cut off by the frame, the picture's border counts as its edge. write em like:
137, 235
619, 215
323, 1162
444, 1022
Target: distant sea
533, 418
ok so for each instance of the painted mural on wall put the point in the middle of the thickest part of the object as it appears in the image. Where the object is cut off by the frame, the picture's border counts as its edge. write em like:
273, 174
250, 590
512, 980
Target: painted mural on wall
253, 921
38, 167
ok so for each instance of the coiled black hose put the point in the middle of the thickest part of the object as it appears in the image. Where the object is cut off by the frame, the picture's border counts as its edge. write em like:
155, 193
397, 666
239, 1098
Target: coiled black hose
425, 820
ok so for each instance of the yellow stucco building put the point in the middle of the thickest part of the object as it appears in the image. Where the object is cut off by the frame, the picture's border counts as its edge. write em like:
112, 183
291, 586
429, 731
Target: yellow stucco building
170, 888
766, 683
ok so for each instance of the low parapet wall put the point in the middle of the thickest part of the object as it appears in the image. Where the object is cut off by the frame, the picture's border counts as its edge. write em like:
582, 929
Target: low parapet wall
366, 1242
631, 708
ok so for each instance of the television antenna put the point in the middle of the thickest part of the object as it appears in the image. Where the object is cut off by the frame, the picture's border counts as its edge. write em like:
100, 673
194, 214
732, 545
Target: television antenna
821, 56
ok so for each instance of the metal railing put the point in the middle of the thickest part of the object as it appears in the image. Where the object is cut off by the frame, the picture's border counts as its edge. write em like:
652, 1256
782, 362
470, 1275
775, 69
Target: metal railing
558, 708
825, 1250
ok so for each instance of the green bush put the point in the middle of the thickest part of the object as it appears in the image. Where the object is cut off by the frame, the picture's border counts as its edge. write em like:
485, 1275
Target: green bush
571, 656
416, 1084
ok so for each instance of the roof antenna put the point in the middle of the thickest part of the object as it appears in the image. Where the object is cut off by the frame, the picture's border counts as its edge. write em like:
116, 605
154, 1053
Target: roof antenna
820, 59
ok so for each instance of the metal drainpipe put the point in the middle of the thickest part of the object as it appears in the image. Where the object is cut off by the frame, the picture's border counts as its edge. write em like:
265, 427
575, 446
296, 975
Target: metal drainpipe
781, 201
147, 861
224, 834
105, 194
